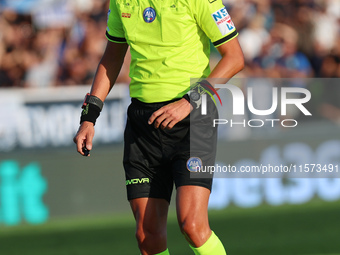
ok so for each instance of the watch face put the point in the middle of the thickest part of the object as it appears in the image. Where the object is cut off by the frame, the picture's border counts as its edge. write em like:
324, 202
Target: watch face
195, 96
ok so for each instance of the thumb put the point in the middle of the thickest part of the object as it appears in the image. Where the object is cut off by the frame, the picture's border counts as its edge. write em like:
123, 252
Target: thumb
88, 142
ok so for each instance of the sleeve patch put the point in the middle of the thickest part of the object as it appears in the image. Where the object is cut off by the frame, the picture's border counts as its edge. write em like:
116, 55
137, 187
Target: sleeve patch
223, 21
108, 15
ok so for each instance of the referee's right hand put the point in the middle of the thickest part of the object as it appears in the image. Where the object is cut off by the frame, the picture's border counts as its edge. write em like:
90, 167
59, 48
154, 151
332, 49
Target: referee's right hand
84, 137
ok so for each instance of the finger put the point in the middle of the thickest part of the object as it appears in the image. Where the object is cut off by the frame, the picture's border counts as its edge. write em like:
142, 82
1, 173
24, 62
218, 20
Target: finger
171, 124
80, 144
165, 123
160, 120
155, 115
76, 136
88, 143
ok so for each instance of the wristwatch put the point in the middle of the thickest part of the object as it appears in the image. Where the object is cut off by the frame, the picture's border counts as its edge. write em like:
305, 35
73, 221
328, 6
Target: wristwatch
194, 95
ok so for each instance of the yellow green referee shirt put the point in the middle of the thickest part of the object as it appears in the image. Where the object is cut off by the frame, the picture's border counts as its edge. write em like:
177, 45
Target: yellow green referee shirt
169, 42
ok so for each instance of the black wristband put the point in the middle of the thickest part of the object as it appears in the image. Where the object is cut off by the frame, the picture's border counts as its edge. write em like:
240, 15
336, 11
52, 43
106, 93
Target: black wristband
90, 99
95, 101
194, 94
90, 113
193, 104
187, 97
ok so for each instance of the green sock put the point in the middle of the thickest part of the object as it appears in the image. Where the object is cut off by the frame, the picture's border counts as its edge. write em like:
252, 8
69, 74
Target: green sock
166, 252
213, 246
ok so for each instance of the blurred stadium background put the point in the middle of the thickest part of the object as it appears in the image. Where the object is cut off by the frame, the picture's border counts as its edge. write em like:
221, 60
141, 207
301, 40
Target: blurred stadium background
53, 201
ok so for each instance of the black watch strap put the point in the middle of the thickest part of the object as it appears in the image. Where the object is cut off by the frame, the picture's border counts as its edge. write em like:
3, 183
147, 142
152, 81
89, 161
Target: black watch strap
89, 99
192, 102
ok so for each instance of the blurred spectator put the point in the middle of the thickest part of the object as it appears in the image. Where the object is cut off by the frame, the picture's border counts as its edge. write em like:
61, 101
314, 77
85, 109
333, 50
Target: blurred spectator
292, 63
52, 42
325, 26
253, 37
59, 42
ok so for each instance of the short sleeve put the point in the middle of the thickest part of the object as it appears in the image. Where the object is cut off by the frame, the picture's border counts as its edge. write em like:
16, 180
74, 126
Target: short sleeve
114, 31
215, 21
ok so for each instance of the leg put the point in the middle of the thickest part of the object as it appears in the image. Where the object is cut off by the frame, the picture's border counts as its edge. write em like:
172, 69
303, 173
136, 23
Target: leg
192, 214
149, 182
151, 219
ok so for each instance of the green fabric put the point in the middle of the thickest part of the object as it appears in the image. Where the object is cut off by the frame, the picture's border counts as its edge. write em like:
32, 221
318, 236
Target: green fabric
212, 246
166, 252
173, 48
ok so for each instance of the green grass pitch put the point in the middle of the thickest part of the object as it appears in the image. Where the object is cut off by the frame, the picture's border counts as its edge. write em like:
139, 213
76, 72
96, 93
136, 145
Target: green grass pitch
313, 228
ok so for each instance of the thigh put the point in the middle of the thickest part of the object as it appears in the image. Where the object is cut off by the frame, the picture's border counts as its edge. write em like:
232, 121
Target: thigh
192, 213
197, 151
146, 174
151, 218
150, 213
192, 202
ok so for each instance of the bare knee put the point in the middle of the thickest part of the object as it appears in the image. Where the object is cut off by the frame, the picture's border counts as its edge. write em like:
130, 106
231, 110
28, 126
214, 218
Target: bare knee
147, 237
189, 227
196, 232
151, 218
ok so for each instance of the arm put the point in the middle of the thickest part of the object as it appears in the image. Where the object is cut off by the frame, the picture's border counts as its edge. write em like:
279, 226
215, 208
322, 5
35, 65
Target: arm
231, 63
108, 69
105, 77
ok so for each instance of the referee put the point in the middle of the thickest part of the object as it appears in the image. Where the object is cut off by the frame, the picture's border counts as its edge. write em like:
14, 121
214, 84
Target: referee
169, 44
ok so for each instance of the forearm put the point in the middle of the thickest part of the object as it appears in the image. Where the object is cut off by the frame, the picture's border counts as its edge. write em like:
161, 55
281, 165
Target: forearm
227, 67
105, 77
108, 69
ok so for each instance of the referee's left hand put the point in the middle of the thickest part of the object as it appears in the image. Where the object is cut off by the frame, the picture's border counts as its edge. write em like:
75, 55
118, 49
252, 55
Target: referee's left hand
169, 115
83, 138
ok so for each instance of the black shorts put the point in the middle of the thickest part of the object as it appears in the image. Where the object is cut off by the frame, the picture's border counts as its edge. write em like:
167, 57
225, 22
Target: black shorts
155, 159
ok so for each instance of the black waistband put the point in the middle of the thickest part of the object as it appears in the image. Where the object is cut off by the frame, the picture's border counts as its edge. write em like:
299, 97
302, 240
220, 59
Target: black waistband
135, 101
